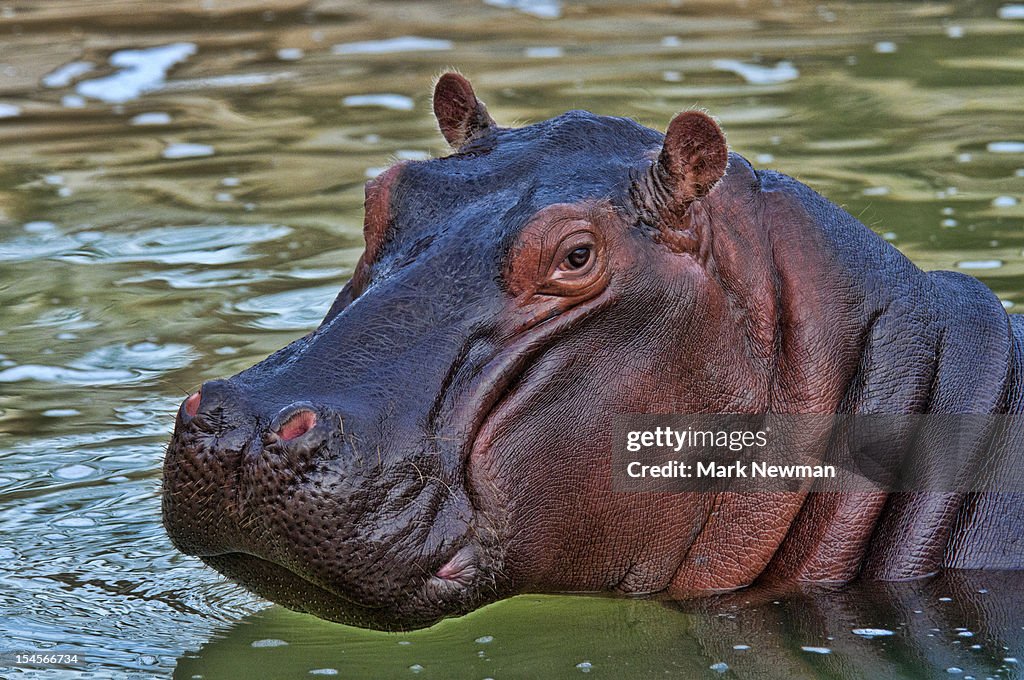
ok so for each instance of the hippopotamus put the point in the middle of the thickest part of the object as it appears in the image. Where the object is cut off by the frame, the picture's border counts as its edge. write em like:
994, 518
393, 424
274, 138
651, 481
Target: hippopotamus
441, 440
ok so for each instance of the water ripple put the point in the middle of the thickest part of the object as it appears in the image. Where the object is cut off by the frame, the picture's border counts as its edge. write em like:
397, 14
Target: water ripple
111, 365
218, 244
405, 43
290, 310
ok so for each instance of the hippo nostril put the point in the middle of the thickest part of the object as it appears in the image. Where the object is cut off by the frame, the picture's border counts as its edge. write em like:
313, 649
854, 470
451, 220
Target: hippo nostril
192, 404
297, 425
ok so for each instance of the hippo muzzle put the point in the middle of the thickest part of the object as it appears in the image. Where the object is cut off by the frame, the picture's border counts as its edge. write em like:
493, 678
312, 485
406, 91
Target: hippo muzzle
294, 504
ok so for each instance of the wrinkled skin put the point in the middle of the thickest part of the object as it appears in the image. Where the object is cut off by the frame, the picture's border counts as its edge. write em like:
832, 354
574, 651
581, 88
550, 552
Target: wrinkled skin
442, 439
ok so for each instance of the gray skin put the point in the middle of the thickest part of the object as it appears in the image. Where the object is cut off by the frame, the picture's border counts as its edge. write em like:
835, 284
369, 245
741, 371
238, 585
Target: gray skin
442, 439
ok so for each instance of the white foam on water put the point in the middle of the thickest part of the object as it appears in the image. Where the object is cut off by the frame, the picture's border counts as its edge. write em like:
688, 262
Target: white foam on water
9, 110
141, 71
60, 413
151, 118
1011, 12
1004, 202
755, 74
544, 52
72, 101
816, 650
186, 150
405, 43
411, 155
976, 264
290, 54
262, 644
1005, 147
39, 227
885, 47
231, 80
395, 102
73, 472
870, 633
542, 9
62, 76
75, 522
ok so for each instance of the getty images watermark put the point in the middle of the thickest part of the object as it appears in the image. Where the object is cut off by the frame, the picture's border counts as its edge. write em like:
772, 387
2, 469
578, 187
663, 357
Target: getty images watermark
961, 453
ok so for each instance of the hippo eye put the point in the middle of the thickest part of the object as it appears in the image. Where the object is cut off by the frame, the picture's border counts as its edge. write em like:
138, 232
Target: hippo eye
561, 252
577, 259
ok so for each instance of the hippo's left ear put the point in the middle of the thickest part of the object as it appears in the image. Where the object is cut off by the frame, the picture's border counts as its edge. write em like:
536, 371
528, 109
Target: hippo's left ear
693, 158
460, 115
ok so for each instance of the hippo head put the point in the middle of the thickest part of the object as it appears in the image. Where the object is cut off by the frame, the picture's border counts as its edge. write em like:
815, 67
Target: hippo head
441, 440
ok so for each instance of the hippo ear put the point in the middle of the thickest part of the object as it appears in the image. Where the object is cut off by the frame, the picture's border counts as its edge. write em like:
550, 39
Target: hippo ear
692, 159
459, 113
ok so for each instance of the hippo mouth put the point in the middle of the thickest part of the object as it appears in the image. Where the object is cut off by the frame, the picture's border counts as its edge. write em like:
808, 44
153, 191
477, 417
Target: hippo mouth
437, 598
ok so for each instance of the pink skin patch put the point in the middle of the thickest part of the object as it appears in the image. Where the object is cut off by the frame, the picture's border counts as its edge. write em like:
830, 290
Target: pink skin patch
459, 568
192, 404
298, 425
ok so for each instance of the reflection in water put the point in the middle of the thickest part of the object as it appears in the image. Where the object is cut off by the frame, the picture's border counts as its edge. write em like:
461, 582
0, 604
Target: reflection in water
958, 622
181, 195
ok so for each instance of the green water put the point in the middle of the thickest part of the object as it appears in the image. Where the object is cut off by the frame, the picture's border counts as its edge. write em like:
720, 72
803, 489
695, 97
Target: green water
156, 232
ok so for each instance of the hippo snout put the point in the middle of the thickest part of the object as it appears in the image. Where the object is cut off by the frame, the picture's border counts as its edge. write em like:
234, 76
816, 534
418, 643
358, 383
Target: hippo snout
224, 456
301, 503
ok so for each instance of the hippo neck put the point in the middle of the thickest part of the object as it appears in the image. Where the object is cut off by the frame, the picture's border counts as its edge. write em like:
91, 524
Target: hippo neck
845, 321
846, 324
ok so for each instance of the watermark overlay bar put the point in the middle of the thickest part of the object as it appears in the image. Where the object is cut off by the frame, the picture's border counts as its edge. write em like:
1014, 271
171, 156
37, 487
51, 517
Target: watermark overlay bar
42, 658
941, 453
